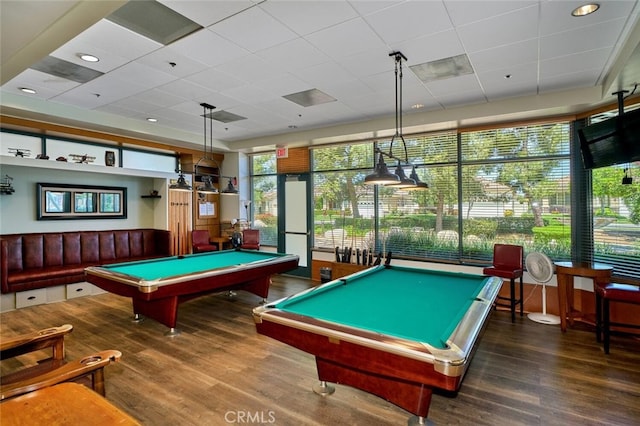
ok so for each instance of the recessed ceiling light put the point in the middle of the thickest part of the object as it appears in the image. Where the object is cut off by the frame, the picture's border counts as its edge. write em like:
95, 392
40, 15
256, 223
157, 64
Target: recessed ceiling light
28, 90
585, 10
88, 58
152, 120
417, 106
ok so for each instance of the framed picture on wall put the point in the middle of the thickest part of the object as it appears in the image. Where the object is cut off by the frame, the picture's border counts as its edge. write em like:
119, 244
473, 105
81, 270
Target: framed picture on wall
64, 201
110, 158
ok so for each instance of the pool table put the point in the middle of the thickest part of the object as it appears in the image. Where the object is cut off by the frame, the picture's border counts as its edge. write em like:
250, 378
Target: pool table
158, 286
396, 332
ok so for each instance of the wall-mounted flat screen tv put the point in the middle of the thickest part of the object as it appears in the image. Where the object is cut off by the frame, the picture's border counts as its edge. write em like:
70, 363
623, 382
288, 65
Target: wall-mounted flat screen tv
612, 141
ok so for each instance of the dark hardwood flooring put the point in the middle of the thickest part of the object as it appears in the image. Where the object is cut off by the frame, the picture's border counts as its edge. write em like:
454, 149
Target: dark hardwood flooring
219, 371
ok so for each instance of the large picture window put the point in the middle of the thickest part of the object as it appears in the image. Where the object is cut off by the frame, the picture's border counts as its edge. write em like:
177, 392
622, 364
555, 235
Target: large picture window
509, 185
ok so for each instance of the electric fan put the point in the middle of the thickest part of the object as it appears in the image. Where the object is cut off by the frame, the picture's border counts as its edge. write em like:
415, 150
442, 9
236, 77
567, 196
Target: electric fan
540, 268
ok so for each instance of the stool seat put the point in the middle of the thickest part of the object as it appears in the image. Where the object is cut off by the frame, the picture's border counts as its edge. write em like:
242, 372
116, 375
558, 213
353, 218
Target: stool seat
620, 292
495, 272
612, 292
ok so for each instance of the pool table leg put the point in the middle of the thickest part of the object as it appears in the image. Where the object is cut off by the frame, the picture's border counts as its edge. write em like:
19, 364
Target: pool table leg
413, 397
165, 311
323, 389
417, 420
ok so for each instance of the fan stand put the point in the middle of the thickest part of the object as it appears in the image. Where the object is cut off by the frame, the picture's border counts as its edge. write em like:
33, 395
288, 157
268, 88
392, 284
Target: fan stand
544, 317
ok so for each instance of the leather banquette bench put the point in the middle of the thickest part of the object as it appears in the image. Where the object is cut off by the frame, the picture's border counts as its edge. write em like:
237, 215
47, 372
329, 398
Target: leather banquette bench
39, 260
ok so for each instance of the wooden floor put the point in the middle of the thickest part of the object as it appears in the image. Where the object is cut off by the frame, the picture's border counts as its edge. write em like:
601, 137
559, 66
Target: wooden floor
219, 371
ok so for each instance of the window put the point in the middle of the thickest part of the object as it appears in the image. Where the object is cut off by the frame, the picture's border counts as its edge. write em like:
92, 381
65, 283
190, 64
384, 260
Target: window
516, 190
500, 185
264, 206
615, 215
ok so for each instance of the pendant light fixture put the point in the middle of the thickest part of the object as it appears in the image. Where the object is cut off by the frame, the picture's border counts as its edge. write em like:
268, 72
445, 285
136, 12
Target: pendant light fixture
381, 175
206, 185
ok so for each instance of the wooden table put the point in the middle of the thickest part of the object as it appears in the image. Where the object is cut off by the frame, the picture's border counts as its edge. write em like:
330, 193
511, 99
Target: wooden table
565, 271
64, 404
220, 241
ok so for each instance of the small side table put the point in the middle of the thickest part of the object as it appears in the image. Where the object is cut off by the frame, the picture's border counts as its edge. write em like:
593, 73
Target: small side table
565, 271
220, 241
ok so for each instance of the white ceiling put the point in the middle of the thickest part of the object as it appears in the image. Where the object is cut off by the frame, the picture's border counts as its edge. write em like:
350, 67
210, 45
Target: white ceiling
251, 53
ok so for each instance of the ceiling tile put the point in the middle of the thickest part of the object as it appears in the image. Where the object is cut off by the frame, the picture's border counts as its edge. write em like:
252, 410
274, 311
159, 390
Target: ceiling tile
208, 13
463, 12
409, 20
339, 41
214, 80
556, 15
521, 24
254, 30
314, 16
585, 38
293, 54
209, 48
509, 55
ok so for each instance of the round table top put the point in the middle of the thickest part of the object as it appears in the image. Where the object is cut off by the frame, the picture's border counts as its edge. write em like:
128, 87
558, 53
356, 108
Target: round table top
586, 269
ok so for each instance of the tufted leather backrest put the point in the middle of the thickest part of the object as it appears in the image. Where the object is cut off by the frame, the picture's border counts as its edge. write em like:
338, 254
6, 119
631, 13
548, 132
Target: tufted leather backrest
23, 252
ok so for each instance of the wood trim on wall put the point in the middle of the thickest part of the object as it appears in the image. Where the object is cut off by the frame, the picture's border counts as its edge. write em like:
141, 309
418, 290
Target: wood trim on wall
296, 162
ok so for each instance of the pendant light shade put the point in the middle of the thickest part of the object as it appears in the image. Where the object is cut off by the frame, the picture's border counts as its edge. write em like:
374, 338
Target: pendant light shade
181, 184
381, 175
230, 189
404, 182
207, 185
419, 183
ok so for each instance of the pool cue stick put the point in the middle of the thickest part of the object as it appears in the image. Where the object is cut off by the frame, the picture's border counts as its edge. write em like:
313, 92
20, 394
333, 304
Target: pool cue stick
364, 256
333, 238
180, 256
357, 256
337, 254
343, 235
388, 261
370, 257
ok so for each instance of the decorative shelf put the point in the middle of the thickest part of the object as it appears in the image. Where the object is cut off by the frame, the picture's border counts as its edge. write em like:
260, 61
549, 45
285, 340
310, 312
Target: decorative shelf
81, 167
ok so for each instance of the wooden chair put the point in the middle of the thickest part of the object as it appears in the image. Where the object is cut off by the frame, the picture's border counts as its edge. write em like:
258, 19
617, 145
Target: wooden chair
508, 264
250, 239
605, 294
200, 241
53, 370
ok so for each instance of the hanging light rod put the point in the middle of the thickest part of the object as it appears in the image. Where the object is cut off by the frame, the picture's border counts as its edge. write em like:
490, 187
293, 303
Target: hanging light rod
207, 179
381, 175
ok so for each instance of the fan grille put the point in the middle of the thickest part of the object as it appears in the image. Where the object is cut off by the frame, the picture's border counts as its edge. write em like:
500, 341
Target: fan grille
540, 267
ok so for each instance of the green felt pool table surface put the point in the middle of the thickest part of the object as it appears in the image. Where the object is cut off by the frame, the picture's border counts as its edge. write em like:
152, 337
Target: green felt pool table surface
417, 306
158, 269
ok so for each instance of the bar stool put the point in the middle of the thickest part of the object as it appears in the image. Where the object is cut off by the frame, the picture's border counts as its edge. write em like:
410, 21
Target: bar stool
507, 264
612, 292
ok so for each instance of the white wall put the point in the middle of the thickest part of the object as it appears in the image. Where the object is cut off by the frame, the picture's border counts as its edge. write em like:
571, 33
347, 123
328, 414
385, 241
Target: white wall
18, 210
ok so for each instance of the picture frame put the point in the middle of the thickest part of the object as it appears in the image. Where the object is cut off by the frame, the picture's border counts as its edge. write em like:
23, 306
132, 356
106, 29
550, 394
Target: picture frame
110, 158
65, 201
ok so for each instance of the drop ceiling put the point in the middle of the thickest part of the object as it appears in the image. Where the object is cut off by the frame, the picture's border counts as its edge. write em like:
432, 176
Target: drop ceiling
529, 59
